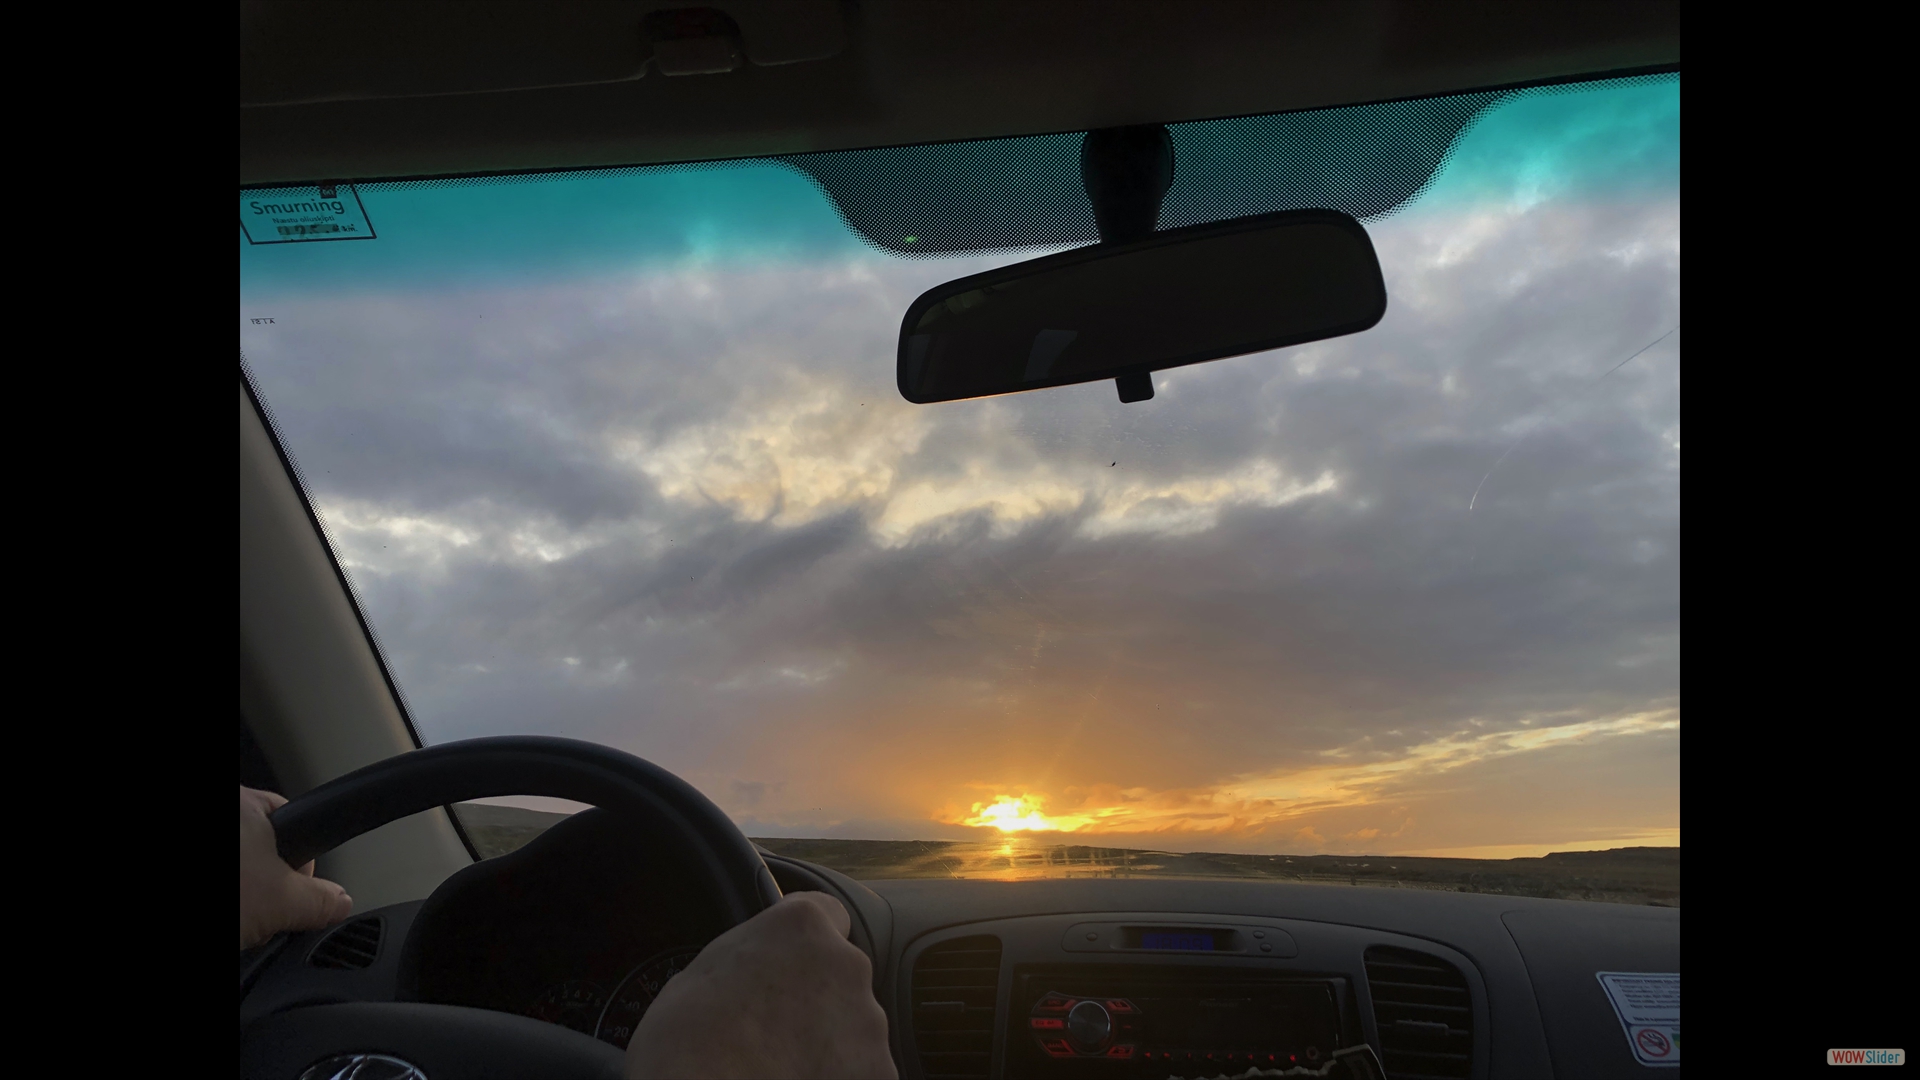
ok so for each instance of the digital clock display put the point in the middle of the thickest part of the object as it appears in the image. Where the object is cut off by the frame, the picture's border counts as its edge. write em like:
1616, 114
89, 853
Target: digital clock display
1176, 939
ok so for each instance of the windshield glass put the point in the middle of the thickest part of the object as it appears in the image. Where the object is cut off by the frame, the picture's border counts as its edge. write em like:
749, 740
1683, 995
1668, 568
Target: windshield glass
618, 455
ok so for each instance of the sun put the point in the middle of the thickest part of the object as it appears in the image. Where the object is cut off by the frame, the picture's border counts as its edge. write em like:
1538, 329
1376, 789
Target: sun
1017, 813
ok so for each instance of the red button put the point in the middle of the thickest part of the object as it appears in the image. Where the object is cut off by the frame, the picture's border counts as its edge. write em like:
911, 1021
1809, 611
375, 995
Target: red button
1053, 1022
1054, 1003
1119, 1005
1056, 1047
1125, 1050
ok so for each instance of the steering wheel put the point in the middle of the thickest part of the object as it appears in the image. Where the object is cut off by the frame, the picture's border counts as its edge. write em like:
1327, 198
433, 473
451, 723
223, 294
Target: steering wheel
452, 1042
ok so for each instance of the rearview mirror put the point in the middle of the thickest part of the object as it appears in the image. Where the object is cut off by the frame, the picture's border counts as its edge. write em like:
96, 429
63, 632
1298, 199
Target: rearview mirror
1123, 311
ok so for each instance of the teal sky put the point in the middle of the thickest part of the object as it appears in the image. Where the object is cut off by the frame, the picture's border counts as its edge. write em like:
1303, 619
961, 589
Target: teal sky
563, 226
1620, 140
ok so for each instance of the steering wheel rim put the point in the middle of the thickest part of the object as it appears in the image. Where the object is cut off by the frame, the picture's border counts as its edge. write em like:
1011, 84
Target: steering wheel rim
367, 798
454, 1041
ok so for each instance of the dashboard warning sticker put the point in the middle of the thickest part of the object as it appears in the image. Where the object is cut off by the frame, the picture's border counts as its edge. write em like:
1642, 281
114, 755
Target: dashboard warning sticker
294, 215
1648, 1005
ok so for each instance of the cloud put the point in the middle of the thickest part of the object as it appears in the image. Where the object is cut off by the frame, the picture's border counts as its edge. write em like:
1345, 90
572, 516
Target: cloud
752, 793
788, 463
1254, 612
1358, 781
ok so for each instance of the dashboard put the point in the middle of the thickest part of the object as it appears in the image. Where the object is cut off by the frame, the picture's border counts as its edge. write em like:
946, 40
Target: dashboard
1105, 978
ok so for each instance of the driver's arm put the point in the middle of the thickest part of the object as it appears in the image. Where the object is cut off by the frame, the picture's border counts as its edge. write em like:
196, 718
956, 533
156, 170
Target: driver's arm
273, 895
784, 994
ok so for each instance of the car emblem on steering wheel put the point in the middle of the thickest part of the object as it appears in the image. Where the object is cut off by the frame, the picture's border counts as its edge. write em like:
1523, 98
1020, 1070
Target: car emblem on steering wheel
363, 1067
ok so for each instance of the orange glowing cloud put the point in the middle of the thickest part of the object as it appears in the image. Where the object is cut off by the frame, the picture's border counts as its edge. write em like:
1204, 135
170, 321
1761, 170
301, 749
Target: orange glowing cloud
1294, 801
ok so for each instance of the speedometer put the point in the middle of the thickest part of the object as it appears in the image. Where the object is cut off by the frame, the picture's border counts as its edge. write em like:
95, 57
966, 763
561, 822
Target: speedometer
574, 1003
636, 992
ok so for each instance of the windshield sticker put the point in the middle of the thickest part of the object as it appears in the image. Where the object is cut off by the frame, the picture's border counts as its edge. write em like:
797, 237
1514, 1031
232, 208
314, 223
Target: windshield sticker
1649, 1009
298, 215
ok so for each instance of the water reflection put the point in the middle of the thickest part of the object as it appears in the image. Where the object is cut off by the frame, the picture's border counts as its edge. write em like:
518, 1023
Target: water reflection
1021, 858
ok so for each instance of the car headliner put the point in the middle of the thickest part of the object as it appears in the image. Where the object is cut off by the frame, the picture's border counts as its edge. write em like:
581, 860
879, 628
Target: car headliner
448, 87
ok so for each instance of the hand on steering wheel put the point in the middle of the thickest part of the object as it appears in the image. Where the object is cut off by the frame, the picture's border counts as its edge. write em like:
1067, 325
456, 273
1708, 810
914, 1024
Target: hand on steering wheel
273, 895
783, 994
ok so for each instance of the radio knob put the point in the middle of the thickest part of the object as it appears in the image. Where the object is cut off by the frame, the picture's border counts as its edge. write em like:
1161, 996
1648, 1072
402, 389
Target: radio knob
1089, 1025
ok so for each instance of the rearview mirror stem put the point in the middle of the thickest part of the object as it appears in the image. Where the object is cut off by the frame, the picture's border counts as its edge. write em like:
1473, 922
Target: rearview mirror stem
1127, 171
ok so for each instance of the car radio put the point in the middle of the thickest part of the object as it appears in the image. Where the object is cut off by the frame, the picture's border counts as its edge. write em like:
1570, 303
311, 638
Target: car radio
1120, 1022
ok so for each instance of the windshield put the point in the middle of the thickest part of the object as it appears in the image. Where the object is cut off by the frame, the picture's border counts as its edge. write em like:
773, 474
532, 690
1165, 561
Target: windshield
618, 455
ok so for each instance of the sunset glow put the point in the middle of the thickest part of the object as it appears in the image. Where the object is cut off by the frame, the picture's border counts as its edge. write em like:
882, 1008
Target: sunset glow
1346, 803
1021, 813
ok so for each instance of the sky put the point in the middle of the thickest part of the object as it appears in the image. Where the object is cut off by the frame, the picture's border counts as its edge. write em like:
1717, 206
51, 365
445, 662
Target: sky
621, 457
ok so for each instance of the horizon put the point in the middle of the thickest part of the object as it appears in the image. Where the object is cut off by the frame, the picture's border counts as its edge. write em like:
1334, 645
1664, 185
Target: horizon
1067, 840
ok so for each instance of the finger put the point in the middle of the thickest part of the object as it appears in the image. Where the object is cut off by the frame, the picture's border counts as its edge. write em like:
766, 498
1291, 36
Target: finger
831, 907
313, 903
307, 869
261, 794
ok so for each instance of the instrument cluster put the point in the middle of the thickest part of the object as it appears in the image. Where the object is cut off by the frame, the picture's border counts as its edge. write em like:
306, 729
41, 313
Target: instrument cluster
589, 1007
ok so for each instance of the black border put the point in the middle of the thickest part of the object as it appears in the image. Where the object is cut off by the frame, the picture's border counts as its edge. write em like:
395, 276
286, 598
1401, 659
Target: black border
346, 587
1556, 80
1092, 252
354, 188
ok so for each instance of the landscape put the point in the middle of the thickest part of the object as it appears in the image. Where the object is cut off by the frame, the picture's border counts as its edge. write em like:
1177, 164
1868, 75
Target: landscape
1633, 875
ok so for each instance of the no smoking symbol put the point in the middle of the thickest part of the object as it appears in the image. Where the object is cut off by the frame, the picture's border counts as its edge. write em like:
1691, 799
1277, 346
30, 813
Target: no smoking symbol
1652, 1043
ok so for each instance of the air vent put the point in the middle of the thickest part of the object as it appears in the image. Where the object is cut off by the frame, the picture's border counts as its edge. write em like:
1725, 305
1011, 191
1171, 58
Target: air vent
954, 984
1425, 1015
354, 945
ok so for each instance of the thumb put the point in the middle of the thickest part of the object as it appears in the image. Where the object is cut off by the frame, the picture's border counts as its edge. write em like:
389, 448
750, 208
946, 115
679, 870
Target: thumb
312, 903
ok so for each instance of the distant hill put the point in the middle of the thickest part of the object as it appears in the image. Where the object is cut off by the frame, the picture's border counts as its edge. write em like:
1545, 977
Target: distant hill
1652, 856
496, 830
1633, 875
507, 817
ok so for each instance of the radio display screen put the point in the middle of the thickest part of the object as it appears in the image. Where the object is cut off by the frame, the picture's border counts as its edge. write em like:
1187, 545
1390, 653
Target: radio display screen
1164, 1020
1177, 939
